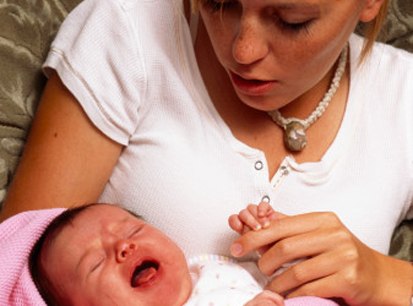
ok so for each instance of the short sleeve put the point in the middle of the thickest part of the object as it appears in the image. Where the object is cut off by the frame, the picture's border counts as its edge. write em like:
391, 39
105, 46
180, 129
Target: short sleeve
95, 54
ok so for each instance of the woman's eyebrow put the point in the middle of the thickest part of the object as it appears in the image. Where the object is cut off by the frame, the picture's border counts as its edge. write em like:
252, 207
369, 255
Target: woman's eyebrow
294, 5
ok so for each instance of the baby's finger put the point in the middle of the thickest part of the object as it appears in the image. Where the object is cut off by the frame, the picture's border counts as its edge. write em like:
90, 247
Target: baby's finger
249, 219
266, 298
264, 213
264, 209
236, 224
275, 297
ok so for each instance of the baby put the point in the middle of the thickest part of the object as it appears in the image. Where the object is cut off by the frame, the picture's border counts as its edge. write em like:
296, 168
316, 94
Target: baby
103, 255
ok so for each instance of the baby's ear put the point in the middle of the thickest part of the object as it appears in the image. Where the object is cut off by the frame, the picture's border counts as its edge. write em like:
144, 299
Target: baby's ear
370, 10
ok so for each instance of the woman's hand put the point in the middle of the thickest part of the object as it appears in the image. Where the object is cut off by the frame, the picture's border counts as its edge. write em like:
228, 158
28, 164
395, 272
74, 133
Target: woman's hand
336, 263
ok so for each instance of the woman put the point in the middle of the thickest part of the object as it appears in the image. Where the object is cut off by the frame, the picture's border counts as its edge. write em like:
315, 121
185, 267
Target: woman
140, 108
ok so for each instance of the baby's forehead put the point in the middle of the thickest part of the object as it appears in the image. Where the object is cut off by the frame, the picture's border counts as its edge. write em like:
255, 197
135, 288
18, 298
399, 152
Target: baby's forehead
89, 230
103, 215
89, 221
105, 212
112, 207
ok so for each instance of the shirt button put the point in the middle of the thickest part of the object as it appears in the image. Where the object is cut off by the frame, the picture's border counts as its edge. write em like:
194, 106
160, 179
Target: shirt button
284, 170
259, 165
265, 199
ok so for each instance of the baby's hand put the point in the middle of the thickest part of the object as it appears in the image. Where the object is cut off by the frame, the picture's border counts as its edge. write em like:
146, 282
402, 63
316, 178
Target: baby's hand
266, 298
254, 217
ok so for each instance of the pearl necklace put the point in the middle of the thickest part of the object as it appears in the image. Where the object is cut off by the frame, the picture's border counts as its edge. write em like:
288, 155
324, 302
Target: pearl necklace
295, 138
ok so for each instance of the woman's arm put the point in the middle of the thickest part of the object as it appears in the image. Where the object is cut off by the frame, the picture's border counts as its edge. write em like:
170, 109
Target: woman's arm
66, 161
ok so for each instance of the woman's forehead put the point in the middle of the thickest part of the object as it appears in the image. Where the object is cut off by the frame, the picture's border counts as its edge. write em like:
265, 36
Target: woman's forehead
283, 3
279, 5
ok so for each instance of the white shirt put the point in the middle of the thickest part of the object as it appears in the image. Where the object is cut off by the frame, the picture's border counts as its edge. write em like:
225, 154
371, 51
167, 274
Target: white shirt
131, 65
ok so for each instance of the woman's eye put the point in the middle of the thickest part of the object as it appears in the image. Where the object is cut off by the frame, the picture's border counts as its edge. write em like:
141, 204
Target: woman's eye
294, 27
218, 5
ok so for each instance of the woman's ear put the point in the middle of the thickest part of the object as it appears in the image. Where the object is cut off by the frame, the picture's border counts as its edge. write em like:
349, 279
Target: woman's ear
370, 10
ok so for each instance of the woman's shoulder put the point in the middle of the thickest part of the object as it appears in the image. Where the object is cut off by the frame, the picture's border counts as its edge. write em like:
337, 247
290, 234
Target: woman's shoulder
89, 11
107, 14
382, 51
383, 65
108, 20
393, 54
108, 7
128, 4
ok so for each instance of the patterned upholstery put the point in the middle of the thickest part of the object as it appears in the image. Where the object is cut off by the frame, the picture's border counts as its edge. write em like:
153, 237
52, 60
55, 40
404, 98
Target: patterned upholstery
26, 30
399, 25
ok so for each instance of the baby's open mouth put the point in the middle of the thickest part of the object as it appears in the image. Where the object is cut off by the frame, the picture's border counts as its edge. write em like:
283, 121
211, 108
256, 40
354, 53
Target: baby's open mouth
144, 273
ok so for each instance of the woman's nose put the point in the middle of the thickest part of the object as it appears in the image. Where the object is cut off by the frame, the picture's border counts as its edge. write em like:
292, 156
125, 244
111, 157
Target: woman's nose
124, 248
249, 45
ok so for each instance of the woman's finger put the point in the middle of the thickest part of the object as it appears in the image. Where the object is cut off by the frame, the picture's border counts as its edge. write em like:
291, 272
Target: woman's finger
298, 247
327, 287
281, 228
303, 272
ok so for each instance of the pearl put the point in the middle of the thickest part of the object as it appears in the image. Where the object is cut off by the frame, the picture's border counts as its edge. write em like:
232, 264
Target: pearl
294, 136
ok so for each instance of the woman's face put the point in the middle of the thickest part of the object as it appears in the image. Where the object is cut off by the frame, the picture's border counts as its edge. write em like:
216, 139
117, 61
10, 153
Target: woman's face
274, 51
108, 257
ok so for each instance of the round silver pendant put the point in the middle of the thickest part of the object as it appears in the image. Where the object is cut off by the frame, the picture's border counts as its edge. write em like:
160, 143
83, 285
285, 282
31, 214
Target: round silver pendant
295, 138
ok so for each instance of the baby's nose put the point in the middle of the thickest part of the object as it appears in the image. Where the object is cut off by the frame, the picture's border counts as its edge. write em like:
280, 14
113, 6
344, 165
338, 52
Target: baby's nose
124, 248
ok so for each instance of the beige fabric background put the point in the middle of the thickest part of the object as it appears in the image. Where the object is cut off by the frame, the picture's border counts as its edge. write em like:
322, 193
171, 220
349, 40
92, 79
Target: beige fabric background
26, 30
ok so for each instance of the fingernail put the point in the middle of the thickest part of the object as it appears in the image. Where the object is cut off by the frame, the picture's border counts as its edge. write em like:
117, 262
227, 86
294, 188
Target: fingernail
236, 249
257, 227
266, 224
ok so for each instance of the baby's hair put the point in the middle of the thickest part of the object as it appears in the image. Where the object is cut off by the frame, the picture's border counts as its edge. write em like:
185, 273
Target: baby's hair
42, 282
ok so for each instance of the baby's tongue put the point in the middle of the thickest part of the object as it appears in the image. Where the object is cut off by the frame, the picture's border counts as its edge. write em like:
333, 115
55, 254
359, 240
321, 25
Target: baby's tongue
144, 276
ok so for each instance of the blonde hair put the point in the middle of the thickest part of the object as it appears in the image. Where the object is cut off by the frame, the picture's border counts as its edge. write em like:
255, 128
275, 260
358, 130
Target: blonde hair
194, 5
373, 30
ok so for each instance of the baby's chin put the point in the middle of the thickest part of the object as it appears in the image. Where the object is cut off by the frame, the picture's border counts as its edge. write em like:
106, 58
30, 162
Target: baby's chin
185, 293
178, 291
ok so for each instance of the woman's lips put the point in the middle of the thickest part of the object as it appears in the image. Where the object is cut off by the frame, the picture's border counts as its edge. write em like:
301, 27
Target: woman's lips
250, 86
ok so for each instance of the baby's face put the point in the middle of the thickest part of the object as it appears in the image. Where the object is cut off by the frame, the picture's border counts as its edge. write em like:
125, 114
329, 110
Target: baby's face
109, 257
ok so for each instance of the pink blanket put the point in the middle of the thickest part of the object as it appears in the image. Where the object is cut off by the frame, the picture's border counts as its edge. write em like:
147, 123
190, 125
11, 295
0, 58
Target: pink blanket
18, 234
